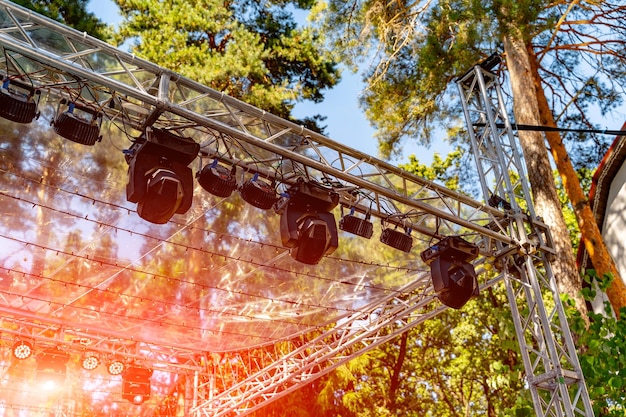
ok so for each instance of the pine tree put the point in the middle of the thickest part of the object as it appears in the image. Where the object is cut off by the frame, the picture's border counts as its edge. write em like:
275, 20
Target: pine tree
562, 58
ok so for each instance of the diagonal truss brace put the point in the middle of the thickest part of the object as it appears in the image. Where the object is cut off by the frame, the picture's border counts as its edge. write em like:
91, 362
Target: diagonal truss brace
298, 365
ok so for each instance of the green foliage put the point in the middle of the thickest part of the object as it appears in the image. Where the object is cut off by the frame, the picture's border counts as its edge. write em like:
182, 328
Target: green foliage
602, 353
444, 171
415, 50
72, 13
252, 50
460, 363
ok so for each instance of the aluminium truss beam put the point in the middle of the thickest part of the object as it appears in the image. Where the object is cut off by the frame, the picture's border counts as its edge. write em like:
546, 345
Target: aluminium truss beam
553, 372
67, 64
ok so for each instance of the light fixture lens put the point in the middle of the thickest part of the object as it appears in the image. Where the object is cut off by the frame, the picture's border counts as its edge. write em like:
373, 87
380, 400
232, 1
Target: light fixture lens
116, 367
90, 362
22, 350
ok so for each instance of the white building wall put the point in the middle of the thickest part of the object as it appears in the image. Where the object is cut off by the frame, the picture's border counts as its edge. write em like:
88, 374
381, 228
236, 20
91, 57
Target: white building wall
614, 228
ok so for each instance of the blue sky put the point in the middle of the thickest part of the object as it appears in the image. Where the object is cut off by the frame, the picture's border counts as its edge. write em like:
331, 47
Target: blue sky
346, 122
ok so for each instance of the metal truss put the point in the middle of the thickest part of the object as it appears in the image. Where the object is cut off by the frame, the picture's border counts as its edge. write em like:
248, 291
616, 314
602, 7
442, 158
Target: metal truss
136, 94
552, 369
133, 94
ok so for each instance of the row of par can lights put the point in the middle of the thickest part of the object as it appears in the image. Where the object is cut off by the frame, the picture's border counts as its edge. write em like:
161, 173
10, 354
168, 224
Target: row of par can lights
51, 369
161, 183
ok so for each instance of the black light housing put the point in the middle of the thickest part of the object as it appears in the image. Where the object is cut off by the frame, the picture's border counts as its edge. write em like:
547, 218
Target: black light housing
306, 224
51, 366
78, 123
217, 179
397, 239
136, 384
453, 276
356, 225
18, 103
160, 181
22, 349
258, 193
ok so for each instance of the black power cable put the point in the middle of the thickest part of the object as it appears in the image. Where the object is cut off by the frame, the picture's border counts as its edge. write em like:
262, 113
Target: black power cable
515, 126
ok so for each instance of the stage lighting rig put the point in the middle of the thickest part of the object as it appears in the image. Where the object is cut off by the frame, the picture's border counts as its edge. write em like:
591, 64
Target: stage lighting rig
307, 225
217, 179
453, 276
160, 180
18, 102
51, 367
356, 225
22, 349
136, 384
258, 193
115, 367
89, 361
78, 123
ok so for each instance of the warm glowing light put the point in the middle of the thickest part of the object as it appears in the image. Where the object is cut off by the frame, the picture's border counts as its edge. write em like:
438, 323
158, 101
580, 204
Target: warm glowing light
115, 367
90, 362
22, 349
49, 385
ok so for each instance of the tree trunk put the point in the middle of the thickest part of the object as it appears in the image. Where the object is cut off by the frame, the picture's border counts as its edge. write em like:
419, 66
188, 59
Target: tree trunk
591, 237
546, 201
397, 369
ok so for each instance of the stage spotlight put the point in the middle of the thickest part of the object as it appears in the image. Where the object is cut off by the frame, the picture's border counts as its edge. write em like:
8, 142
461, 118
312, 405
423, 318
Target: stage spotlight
22, 349
397, 239
18, 102
136, 384
306, 224
357, 226
453, 276
217, 179
51, 367
78, 123
160, 181
258, 193
90, 361
115, 367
